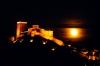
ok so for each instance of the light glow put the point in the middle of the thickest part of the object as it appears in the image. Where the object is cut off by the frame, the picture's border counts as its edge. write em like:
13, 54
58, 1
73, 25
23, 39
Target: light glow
44, 42
53, 49
69, 45
31, 40
74, 32
21, 40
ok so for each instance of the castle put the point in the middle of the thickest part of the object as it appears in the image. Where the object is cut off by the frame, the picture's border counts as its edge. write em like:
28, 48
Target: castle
35, 30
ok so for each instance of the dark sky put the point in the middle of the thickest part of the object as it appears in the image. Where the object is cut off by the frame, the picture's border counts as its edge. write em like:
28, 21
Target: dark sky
48, 12
43, 10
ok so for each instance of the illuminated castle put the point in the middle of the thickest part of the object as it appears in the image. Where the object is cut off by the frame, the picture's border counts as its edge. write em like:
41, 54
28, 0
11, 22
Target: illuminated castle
21, 26
35, 30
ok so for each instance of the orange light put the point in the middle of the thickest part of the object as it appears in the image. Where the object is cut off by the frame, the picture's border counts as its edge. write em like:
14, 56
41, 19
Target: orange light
93, 57
31, 40
69, 45
89, 57
74, 32
59, 42
53, 49
14, 41
42, 31
48, 34
21, 40
93, 53
44, 42
85, 52
33, 33
12, 38
29, 29
74, 51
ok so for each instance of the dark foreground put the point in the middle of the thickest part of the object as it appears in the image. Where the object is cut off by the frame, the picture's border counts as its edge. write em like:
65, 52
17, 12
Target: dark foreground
35, 53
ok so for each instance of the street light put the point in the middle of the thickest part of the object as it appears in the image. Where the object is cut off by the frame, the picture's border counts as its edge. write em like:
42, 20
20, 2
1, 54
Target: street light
69, 45
31, 40
53, 48
44, 42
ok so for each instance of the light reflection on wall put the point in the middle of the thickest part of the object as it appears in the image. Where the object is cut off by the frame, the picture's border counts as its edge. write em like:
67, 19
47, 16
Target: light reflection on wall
21, 26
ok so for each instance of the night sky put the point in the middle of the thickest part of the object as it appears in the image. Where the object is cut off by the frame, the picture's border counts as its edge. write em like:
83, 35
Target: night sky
49, 13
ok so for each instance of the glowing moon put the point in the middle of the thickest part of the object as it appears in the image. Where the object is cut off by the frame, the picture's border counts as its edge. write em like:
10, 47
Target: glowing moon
74, 32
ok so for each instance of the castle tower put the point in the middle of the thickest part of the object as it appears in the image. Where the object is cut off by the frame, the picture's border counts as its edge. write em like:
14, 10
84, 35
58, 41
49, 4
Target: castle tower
21, 26
35, 26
